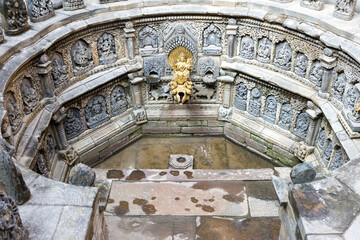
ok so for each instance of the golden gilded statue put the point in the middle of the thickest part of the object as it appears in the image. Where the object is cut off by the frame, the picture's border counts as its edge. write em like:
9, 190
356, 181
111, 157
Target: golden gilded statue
181, 60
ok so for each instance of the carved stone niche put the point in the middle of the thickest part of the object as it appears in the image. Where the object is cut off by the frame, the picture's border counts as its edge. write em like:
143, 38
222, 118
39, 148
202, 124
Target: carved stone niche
338, 86
58, 70
42, 165
313, 4
96, 111
154, 68
247, 47
270, 109
40, 10
286, 115
344, 9
29, 96
302, 125
148, 41
13, 112
209, 70
301, 63
338, 159
118, 100
212, 40
81, 57
351, 110
14, 16
70, 5
241, 96
255, 102
72, 123
283, 56
264, 50
106, 49
316, 73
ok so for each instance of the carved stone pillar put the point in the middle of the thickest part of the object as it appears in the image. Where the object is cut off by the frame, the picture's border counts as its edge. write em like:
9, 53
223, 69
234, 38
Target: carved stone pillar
136, 90
70, 5
344, 9
130, 36
313, 4
231, 30
314, 112
40, 10
58, 129
225, 110
329, 63
44, 72
14, 16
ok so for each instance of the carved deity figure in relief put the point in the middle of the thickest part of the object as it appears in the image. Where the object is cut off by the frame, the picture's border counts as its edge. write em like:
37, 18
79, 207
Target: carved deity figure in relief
338, 160
316, 73
344, 9
255, 102
148, 37
14, 16
73, 125
301, 63
81, 57
40, 9
327, 153
241, 96
106, 49
283, 56
339, 86
13, 112
29, 96
264, 50
212, 36
270, 109
118, 100
302, 125
321, 139
41, 164
350, 99
247, 47
96, 111
286, 114
59, 73
356, 112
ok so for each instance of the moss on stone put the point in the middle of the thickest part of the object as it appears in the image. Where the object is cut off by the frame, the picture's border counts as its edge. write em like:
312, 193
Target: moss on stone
135, 134
261, 141
284, 160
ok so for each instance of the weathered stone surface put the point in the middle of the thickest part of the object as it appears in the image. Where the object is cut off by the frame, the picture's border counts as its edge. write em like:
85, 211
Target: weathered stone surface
104, 186
82, 175
181, 161
346, 175
281, 189
302, 173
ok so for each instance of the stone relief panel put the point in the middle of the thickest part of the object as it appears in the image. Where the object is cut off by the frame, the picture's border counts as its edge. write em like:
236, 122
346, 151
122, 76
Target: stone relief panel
29, 96
339, 85
313, 4
301, 63
338, 160
321, 139
283, 56
302, 125
148, 40
286, 115
40, 10
344, 9
255, 102
59, 73
70, 5
241, 96
203, 91
316, 73
212, 40
50, 147
154, 65
42, 165
264, 50
13, 112
81, 57
106, 49
209, 70
247, 47
96, 112
14, 16
72, 124
351, 96
118, 100
159, 92
327, 153
270, 109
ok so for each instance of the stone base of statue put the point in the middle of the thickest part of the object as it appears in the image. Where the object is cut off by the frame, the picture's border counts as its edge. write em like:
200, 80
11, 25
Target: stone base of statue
316, 5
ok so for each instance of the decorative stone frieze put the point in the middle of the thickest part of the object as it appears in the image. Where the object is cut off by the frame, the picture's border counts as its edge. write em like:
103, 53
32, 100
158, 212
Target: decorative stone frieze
130, 36
70, 5
231, 30
209, 69
225, 114
14, 16
140, 116
212, 40
106, 49
96, 111
313, 4
327, 153
344, 9
351, 111
338, 159
40, 10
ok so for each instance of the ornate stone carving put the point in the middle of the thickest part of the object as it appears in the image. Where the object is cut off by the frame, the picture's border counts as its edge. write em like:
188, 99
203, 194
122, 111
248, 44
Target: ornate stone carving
58, 70
316, 73
40, 10
14, 16
148, 40
225, 114
212, 40
327, 153
351, 96
11, 227
106, 49
313, 4
264, 50
29, 96
270, 109
72, 124
181, 60
338, 160
209, 70
247, 47
161, 92
339, 86
344, 9
140, 116
286, 114
50, 147
321, 139
96, 112
302, 125
13, 112
42, 165
81, 57
301, 63
154, 65
203, 91
255, 102
301, 150
241, 96
118, 101
283, 56
70, 5
1, 36
69, 155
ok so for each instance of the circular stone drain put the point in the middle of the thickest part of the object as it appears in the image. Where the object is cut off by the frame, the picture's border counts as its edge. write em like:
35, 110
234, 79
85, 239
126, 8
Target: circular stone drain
180, 161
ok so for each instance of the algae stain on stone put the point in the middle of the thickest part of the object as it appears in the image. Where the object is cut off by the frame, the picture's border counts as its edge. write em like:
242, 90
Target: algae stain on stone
122, 209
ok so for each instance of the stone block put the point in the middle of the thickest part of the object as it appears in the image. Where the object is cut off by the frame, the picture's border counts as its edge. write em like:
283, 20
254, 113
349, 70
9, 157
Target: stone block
84, 145
165, 130
232, 135
261, 141
263, 208
253, 144
327, 237
104, 186
123, 134
281, 189
82, 175
203, 130
302, 173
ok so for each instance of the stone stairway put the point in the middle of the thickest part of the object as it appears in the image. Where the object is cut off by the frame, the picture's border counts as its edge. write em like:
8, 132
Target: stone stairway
191, 204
